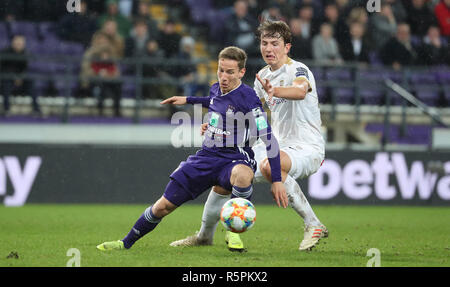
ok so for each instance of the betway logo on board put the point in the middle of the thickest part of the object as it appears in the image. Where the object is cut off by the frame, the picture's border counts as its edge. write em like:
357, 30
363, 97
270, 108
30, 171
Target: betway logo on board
388, 176
21, 179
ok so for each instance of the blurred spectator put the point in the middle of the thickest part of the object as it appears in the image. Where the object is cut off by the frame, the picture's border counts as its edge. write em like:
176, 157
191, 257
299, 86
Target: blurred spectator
186, 73
398, 9
240, 27
17, 64
309, 26
433, 51
315, 5
357, 14
77, 27
152, 70
97, 7
342, 6
324, 46
442, 12
331, 14
272, 13
287, 9
355, 48
301, 47
136, 42
143, 14
112, 13
398, 51
116, 40
382, 26
420, 17
99, 62
125, 7
169, 39
12, 10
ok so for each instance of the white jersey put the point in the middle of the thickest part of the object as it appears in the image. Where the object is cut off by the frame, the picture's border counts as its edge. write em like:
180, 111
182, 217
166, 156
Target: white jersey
294, 122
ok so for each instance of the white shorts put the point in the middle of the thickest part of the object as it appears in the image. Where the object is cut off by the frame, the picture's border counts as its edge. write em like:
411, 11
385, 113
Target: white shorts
305, 160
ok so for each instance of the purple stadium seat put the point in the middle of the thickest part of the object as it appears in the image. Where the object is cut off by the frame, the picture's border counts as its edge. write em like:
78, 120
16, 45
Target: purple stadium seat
317, 72
372, 96
128, 90
427, 95
28, 29
322, 94
338, 74
443, 75
344, 95
423, 77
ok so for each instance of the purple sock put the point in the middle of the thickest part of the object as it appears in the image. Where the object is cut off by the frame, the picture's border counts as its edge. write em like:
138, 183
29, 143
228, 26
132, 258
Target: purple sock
146, 223
244, 192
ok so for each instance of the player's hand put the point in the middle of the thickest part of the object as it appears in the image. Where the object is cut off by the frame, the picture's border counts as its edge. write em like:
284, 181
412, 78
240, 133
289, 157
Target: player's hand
175, 101
267, 86
203, 128
279, 194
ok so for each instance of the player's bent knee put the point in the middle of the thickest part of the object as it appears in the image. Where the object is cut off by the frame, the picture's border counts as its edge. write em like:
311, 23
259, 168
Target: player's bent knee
241, 175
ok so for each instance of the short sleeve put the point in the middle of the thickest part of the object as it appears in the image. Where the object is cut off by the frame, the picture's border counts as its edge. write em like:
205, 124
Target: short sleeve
301, 73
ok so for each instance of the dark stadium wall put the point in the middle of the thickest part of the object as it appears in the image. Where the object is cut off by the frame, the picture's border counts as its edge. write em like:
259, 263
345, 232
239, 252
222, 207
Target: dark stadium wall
139, 174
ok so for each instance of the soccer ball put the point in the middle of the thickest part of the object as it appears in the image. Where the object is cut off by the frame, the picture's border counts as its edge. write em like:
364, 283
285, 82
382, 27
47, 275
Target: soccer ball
238, 215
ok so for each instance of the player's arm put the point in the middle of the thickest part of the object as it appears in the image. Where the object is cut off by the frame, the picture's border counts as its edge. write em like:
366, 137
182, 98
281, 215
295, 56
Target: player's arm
297, 91
273, 155
262, 129
177, 100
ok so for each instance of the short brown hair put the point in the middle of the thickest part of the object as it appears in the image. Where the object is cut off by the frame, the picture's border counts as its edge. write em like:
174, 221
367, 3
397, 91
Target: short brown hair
234, 53
275, 29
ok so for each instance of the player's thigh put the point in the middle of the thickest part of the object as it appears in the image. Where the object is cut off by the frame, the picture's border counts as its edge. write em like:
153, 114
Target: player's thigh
220, 190
305, 161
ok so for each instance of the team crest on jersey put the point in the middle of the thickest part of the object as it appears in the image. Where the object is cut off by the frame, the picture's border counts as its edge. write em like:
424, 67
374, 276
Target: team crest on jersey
281, 83
211, 101
230, 110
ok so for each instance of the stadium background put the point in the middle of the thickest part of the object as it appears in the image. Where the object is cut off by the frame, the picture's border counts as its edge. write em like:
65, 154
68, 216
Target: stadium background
83, 172
58, 145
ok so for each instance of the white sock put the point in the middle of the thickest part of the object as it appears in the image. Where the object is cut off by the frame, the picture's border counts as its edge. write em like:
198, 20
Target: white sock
211, 214
299, 203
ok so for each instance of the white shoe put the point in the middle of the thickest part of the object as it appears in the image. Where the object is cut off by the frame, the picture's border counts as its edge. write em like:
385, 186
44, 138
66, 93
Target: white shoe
192, 240
312, 236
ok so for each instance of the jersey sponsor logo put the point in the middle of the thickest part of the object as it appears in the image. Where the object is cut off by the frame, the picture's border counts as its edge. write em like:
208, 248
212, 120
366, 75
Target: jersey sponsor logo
302, 72
261, 123
214, 120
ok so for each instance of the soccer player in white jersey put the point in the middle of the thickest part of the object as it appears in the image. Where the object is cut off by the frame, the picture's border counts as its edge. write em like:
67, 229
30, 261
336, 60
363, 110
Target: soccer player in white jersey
289, 90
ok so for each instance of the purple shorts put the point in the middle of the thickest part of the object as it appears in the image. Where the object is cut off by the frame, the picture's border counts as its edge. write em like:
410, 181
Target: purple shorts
201, 172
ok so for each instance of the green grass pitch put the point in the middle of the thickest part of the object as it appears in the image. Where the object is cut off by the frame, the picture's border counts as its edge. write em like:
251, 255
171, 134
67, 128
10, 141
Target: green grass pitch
405, 236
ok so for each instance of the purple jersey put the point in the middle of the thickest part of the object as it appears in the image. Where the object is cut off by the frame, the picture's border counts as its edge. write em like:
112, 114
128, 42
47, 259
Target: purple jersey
235, 120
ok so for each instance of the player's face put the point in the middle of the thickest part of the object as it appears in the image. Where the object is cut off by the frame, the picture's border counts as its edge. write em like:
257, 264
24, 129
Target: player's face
274, 51
229, 74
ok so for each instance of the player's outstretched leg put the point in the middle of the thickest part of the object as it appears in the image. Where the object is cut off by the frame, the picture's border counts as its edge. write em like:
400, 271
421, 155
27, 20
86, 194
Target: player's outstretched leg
146, 223
210, 219
314, 229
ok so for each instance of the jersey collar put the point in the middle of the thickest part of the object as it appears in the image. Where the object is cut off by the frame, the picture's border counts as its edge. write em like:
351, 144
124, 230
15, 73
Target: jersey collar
240, 83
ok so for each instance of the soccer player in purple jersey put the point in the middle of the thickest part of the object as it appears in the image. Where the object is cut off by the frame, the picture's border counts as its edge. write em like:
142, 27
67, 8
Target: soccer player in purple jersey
226, 160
